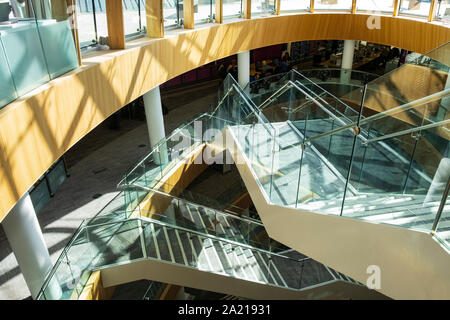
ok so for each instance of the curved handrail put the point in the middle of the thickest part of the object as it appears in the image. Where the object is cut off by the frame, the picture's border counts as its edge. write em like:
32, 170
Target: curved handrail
378, 116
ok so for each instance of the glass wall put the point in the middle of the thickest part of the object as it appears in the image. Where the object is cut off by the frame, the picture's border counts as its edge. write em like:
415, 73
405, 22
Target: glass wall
36, 45
134, 17
232, 8
333, 5
443, 11
375, 5
204, 10
172, 16
295, 5
415, 7
263, 6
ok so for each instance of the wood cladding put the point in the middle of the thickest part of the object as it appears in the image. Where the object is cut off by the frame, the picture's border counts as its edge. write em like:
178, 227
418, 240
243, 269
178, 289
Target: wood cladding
41, 126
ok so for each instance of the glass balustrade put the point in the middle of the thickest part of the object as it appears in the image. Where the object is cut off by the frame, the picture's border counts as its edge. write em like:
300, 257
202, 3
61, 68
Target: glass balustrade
420, 8
30, 47
332, 5
375, 6
260, 7
298, 5
379, 170
91, 249
134, 17
203, 11
232, 8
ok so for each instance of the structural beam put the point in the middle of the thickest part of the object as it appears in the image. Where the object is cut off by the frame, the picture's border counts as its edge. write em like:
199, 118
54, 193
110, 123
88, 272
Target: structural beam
155, 18
247, 9
114, 18
219, 11
188, 14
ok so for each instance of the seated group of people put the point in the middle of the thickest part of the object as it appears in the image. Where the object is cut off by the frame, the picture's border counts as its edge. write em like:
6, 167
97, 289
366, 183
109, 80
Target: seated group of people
263, 70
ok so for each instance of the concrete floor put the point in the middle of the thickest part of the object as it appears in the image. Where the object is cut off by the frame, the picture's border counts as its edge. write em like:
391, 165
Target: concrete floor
98, 163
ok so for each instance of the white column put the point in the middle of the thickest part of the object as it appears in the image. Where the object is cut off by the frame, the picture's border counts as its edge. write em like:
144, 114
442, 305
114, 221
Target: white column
182, 295
289, 48
155, 123
347, 60
243, 68
25, 237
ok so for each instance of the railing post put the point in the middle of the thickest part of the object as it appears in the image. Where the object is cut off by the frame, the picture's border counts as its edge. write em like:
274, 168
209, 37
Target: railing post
311, 6
273, 160
417, 138
364, 156
301, 160
441, 208
356, 132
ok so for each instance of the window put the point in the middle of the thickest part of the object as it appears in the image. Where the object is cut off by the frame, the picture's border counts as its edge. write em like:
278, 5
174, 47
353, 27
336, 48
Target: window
295, 5
375, 5
415, 7
232, 8
333, 5
263, 6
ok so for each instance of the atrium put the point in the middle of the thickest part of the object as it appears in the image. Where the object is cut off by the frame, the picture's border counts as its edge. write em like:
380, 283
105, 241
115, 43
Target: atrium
224, 150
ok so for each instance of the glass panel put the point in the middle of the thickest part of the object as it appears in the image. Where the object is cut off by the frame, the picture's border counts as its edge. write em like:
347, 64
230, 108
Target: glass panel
203, 10
57, 176
28, 66
55, 30
40, 195
415, 7
172, 11
443, 11
134, 14
263, 6
332, 4
87, 32
295, 5
100, 19
375, 5
232, 8
7, 88
443, 228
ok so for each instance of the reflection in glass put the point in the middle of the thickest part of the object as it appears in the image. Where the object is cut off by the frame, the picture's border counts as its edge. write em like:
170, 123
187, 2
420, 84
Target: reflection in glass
375, 5
443, 11
294, 5
134, 16
203, 10
171, 14
263, 6
332, 4
232, 8
415, 7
